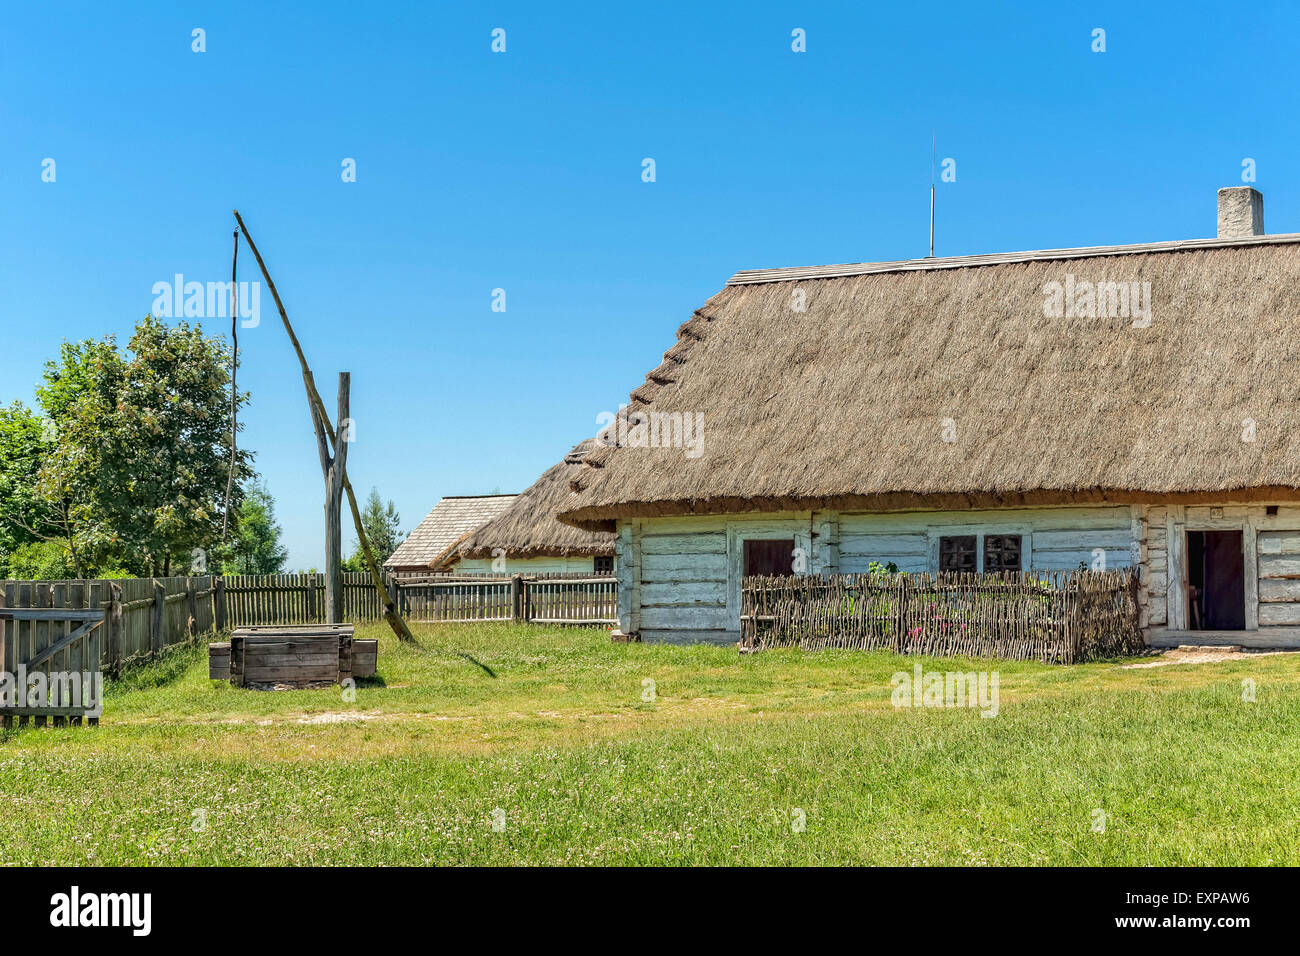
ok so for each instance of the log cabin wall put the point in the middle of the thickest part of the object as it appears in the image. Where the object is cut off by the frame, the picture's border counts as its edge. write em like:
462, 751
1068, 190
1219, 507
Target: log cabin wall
1271, 554
679, 577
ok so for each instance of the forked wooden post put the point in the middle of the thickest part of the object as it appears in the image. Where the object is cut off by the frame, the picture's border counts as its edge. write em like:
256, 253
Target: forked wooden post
318, 408
333, 469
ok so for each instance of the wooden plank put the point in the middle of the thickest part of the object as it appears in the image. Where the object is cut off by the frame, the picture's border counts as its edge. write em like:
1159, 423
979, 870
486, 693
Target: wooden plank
677, 618
1279, 590
1174, 594
700, 543
1279, 542
323, 672
882, 547
54, 613
1250, 570
683, 567
290, 659
62, 644
684, 594
1279, 614
1279, 566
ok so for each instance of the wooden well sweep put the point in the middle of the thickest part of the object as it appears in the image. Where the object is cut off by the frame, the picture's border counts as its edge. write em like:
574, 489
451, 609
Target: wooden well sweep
292, 654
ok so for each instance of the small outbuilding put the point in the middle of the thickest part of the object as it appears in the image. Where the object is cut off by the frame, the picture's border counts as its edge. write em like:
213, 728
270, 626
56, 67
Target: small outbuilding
526, 537
451, 519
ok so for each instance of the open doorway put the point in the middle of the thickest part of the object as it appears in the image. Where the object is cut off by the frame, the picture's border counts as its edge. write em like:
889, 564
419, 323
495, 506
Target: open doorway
1216, 581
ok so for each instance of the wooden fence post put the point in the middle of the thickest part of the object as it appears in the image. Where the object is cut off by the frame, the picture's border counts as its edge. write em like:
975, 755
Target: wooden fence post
114, 642
516, 598
159, 617
192, 607
219, 603
310, 595
5, 649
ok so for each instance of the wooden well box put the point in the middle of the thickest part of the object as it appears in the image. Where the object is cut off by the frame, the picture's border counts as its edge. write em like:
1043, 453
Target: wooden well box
292, 654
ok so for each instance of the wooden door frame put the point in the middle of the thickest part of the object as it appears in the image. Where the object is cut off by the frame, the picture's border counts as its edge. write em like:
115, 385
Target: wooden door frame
1176, 530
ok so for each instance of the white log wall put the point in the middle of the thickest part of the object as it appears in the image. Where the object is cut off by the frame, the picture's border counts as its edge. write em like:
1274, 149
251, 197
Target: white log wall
539, 565
679, 578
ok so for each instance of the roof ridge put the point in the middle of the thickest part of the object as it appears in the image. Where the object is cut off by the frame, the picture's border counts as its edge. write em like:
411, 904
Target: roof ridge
789, 273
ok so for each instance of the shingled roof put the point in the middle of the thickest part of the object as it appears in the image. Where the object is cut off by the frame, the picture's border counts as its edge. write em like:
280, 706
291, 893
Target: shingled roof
450, 519
528, 527
947, 383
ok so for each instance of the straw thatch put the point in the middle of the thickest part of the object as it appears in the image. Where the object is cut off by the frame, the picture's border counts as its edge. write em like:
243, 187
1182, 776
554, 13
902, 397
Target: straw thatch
528, 527
451, 518
843, 405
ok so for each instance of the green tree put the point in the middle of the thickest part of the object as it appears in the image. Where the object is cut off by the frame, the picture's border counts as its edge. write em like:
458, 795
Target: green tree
25, 517
383, 528
142, 446
255, 548
77, 395
41, 561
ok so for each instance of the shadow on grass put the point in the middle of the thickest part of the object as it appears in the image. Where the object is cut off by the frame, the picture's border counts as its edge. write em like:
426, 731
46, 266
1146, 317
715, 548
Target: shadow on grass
477, 663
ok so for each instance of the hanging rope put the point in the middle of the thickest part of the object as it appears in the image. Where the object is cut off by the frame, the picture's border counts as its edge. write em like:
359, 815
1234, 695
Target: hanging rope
234, 395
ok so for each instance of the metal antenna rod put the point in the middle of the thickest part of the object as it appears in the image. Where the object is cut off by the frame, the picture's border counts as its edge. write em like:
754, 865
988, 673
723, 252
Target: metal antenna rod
932, 138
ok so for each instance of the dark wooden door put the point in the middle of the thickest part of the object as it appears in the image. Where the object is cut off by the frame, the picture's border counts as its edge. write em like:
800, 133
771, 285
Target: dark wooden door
1225, 581
769, 557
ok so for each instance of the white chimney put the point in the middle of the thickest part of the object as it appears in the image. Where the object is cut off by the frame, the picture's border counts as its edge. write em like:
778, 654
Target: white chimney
1241, 212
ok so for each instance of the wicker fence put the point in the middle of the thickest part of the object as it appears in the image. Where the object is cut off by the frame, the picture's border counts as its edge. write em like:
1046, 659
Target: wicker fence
1056, 617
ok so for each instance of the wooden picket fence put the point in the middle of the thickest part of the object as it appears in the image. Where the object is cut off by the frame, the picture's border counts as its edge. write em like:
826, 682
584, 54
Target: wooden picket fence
1056, 617
142, 616
255, 599
431, 598
582, 599
139, 617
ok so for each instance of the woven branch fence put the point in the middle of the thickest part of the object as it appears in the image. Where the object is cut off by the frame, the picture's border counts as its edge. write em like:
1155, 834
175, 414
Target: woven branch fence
1056, 617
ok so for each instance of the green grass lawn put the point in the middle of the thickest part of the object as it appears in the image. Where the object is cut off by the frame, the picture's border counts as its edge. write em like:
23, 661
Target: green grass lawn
546, 731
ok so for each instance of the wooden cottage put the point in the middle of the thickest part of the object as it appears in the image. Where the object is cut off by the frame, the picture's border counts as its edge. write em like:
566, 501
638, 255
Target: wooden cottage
526, 537
450, 519
1094, 407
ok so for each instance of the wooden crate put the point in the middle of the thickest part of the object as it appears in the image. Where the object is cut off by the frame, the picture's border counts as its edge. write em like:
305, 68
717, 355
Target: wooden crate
296, 654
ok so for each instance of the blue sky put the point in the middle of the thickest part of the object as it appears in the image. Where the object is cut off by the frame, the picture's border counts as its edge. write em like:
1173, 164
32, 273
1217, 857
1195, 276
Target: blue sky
522, 171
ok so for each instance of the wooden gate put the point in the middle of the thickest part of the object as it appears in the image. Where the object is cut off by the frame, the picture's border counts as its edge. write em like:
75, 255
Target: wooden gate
50, 660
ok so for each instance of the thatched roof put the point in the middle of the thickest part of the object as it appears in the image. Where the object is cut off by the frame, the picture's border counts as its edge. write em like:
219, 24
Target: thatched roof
843, 405
450, 519
528, 527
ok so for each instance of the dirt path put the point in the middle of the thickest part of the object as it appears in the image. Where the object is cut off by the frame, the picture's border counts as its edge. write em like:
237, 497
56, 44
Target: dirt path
1191, 654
